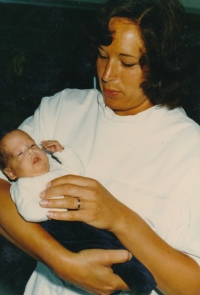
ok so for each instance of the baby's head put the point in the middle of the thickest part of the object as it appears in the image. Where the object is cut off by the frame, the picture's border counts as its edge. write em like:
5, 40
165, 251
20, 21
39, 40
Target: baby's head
21, 157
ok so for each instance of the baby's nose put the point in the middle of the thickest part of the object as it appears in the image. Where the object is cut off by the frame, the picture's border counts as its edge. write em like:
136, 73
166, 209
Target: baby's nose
30, 151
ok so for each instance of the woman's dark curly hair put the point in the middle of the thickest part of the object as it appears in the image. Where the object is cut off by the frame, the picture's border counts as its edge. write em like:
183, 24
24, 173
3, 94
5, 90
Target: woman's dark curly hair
168, 64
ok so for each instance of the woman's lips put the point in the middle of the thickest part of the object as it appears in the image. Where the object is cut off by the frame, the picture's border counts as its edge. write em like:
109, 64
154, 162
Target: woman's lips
110, 92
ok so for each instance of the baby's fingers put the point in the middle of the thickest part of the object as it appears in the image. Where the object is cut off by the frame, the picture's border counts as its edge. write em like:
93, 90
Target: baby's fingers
47, 143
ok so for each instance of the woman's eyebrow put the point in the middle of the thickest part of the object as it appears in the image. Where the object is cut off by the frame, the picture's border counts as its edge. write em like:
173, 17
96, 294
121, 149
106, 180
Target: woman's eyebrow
121, 54
99, 47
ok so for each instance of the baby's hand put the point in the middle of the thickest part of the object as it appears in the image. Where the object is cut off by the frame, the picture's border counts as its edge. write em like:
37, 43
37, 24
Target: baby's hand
52, 146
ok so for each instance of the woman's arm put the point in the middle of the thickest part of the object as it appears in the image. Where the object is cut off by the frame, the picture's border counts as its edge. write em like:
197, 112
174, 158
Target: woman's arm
89, 269
174, 272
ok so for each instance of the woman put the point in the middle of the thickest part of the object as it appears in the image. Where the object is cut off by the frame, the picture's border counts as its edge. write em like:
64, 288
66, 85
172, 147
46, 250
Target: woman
141, 154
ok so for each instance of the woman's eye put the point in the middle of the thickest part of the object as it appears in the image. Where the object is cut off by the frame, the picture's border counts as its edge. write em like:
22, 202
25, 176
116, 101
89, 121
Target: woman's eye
102, 56
127, 65
19, 154
33, 145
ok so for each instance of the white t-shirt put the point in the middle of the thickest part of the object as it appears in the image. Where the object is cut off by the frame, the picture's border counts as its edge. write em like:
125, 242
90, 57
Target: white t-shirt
25, 191
149, 161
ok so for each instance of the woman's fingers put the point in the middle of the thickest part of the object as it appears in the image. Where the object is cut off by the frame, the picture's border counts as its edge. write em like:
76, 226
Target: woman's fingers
62, 203
66, 215
68, 185
71, 179
76, 197
65, 189
96, 205
116, 256
102, 277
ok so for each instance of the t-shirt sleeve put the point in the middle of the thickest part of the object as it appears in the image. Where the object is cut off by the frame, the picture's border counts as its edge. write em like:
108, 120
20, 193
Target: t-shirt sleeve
184, 229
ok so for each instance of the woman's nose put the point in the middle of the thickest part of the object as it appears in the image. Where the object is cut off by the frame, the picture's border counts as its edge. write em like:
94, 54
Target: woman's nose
110, 71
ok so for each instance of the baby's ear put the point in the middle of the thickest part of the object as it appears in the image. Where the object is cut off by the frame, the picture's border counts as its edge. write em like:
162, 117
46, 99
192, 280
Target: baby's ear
9, 173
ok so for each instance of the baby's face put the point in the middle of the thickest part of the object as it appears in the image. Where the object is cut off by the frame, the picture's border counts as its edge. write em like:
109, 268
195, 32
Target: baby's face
26, 159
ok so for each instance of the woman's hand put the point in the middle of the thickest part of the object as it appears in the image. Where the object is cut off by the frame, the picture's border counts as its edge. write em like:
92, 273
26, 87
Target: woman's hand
90, 269
96, 206
90, 202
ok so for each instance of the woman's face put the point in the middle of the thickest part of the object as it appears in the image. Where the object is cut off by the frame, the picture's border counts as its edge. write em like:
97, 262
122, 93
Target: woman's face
119, 72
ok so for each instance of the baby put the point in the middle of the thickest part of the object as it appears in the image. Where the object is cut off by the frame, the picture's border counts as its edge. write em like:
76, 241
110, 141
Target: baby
21, 159
24, 162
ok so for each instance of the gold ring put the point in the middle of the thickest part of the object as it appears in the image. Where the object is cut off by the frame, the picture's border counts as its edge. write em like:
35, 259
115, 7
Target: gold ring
79, 204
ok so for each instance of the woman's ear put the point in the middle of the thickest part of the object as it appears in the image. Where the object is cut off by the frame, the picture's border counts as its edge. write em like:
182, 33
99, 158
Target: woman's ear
9, 173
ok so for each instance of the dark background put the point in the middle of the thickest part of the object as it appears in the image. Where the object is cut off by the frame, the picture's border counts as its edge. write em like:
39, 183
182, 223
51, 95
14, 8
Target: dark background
42, 51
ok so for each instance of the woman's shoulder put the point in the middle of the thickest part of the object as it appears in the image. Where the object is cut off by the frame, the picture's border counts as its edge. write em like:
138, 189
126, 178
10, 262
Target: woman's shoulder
72, 96
186, 122
69, 103
176, 130
176, 119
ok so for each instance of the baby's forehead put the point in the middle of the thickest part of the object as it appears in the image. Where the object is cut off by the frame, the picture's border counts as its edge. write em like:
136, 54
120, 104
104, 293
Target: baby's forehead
6, 147
17, 134
13, 139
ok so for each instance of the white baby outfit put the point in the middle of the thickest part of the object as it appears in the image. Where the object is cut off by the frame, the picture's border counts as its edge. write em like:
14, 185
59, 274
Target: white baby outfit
25, 191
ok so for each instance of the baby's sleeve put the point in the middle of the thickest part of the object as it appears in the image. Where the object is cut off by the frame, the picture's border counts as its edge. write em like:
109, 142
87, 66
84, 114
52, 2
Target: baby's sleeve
70, 161
26, 198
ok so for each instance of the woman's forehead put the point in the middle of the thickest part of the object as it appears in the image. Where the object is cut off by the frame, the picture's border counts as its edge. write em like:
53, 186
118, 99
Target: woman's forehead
126, 36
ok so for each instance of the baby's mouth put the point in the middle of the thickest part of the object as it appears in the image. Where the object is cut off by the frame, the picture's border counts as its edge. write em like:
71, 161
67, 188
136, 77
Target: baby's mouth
35, 160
